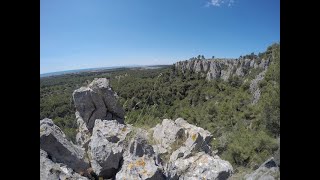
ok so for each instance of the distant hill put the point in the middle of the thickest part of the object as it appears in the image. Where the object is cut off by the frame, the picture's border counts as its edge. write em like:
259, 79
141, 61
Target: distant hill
97, 69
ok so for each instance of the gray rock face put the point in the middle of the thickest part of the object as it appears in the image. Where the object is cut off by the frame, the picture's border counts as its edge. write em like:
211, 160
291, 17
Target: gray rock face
239, 72
106, 147
53, 171
214, 71
166, 134
180, 139
197, 140
264, 63
97, 101
200, 166
222, 68
267, 171
141, 161
189, 151
198, 67
54, 142
83, 135
254, 87
226, 72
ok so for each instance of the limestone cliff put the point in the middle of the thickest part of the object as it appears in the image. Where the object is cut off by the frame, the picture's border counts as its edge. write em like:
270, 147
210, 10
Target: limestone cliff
222, 68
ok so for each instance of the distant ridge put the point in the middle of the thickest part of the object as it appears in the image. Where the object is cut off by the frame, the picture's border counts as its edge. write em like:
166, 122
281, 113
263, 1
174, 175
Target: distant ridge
91, 69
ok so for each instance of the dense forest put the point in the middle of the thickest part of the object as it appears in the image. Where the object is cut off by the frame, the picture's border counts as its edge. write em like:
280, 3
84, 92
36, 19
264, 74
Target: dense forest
245, 134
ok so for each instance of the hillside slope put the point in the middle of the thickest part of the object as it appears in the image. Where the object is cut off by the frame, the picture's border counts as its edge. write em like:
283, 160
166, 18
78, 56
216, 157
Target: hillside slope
238, 102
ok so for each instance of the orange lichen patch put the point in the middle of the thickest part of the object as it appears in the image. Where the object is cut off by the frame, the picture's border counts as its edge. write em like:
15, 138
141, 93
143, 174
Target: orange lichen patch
144, 172
130, 166
124, 129
204, 160
193, 137
140, 163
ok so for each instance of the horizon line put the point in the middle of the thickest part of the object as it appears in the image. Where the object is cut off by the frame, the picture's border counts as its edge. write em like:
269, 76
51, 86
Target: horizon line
103, 67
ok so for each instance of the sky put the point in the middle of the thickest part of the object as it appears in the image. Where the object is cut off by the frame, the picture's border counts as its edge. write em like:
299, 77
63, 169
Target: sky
77, 34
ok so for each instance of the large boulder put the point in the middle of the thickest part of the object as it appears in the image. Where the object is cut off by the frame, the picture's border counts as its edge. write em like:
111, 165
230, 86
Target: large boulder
140, 160
200, 166
97, 101
179, 139
197, 137
60, 150
186, 152
267, 171
106, 147
53, 171
165, 134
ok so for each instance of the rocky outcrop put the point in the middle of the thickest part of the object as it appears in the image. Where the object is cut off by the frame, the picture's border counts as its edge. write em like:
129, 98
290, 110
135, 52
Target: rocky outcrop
189, 151
97, 101
227, 68
140, 160
222, 68
107, 146
267, 171
122, 151
166, 134
180, 139
254, 87
54, 142
197, 140
200, 166
53, 171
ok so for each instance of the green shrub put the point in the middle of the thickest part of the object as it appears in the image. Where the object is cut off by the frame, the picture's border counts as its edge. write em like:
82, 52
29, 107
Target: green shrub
249, 148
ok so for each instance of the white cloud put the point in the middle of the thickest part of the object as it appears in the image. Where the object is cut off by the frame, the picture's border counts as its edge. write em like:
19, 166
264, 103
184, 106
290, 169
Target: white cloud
215, 2
230, 3
218, 3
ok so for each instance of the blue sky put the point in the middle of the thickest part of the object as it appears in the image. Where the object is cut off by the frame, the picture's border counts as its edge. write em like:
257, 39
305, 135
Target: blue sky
76, 34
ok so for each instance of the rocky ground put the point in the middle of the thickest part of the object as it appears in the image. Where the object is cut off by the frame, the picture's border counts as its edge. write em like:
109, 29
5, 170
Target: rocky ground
107, 148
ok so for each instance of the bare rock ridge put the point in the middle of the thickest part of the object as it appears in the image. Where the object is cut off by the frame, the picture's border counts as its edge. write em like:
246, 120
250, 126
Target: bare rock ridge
108, 148
222, 68
254, 86
227, 68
